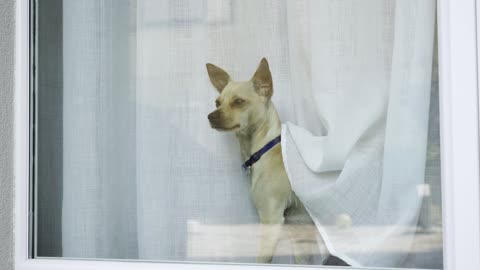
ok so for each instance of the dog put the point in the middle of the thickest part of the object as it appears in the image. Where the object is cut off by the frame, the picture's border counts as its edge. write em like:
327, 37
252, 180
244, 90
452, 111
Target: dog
245, 108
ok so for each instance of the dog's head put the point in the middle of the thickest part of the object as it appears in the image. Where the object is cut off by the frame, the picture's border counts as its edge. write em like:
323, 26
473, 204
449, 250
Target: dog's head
240, 104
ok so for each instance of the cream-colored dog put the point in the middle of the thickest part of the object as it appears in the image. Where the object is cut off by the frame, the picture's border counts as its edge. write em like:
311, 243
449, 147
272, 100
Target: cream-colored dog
246, 109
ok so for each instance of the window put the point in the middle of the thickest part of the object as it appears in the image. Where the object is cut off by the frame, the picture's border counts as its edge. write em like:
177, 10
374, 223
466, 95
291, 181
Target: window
126, 161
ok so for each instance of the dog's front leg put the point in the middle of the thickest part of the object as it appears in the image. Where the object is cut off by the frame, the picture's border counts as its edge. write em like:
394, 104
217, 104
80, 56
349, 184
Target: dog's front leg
270, 232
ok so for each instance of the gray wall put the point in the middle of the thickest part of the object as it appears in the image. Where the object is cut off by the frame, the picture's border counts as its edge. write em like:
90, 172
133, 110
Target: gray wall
7, 39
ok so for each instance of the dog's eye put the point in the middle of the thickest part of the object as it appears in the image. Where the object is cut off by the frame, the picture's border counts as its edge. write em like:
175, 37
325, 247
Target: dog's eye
239, 101
217, 103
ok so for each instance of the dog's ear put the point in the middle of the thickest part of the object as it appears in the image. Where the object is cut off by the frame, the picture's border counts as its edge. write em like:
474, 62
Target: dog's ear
262, 79
218, 77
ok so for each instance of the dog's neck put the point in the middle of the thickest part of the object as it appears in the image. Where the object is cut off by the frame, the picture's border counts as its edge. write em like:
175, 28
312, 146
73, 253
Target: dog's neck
258, 134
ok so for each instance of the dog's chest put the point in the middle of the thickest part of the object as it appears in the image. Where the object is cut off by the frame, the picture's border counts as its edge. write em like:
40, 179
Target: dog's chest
268, 176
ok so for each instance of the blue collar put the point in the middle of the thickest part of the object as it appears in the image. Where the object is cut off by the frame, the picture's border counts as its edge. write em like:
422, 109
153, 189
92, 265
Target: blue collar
257, 155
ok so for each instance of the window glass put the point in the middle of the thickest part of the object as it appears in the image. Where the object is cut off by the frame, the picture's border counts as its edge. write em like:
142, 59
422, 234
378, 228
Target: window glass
268, 131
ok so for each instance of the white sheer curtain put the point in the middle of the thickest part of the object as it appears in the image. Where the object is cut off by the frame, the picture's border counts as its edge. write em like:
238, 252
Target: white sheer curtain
371, 74
99, 198
144, 172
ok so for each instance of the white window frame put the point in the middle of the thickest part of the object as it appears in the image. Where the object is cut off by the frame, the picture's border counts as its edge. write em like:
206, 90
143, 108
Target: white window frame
459, 115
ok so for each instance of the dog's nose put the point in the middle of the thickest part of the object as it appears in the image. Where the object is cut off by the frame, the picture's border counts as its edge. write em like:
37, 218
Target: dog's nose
213, 116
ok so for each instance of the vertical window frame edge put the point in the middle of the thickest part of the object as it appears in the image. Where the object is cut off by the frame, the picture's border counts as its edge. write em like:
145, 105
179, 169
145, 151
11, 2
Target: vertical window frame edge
459, 133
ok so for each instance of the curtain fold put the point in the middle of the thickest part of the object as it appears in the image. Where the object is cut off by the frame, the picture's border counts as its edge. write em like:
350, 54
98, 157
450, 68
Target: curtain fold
99, 198
369, 164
